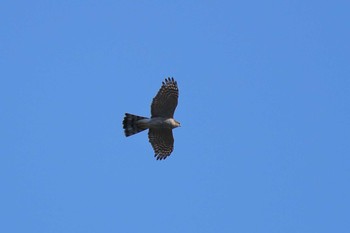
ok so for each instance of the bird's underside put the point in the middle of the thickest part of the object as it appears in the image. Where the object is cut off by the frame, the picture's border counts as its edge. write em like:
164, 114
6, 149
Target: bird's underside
161, 123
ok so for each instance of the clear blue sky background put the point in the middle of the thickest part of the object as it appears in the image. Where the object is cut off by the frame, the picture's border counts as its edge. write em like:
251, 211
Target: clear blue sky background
264, 107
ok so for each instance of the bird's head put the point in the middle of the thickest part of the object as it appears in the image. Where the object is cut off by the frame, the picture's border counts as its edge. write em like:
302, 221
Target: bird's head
177, 124
172, 123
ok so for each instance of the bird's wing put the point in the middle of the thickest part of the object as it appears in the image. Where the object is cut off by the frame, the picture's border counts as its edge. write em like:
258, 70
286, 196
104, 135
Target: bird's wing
162, 141
165, 102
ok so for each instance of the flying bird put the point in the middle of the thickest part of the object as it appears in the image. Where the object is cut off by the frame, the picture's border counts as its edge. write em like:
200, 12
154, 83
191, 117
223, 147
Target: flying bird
161, 123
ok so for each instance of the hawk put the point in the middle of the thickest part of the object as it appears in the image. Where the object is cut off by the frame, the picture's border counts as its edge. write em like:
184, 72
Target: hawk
161, 123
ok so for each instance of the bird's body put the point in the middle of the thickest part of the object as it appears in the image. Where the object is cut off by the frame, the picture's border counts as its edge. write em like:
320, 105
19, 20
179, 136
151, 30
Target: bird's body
161, 123
132, 123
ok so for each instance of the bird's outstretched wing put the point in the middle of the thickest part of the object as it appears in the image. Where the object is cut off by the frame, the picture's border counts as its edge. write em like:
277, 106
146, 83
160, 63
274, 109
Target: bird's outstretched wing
162, 141
165, 102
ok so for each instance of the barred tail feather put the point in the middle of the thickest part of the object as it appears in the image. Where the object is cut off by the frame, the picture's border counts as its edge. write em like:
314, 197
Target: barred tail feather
130, 124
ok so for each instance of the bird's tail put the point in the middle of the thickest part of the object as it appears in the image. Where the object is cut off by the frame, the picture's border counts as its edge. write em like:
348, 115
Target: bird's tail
131, 126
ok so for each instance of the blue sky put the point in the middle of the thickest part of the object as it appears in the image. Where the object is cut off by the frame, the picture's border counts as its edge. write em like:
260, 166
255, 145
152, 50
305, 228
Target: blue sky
264, 108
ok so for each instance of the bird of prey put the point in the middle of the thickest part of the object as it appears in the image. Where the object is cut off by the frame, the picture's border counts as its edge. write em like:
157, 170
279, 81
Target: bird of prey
161, 123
